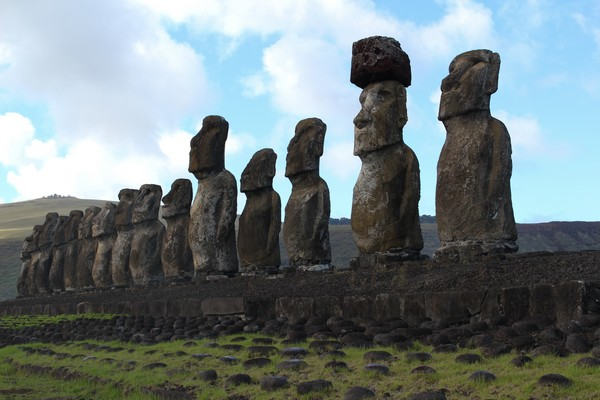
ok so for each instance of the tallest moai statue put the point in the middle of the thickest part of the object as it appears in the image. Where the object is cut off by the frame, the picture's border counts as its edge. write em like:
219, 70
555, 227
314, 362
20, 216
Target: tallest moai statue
473, 199
385, 202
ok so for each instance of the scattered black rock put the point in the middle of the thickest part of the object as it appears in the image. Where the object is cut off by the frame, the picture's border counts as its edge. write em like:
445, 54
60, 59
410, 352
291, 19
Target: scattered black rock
378, 355
337, 365
377, 368
588, 362
468, 358
319, 385
238, 379
293, 364
482, 376
208, 375
429, 395
554, 380
359, 393
423, 369
257, 362
419, 356
521, 361
274, 382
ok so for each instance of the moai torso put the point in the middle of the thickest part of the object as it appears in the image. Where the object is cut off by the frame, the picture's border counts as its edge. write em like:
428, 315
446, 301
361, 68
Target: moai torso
41, 269
213, 212
176, 254
25, 285
306, 224
148, 233
385, 202
473, 198
72, 250
59, 251
260, 222
103, 230
119, 265
87, 247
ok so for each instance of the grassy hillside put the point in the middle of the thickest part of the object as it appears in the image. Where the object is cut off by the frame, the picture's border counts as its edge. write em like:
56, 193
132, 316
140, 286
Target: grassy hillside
17, 220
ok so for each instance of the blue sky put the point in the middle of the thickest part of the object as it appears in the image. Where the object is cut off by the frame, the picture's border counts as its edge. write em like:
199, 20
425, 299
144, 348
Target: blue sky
96, 96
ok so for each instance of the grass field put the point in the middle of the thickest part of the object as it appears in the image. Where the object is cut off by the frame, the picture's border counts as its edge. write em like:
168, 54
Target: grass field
115, 370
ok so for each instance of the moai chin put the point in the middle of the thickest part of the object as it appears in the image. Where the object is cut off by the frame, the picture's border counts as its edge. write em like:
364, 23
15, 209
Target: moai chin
213, 213
473, 198
148, 233
385, 202
87, 247
176, 254
119, 264
260, 222
103, 229
59, 251
306, 224
72, 250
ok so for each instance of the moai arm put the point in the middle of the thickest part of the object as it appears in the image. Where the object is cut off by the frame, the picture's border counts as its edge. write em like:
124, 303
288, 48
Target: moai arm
275, 226
501, 166
228, 209
324, 208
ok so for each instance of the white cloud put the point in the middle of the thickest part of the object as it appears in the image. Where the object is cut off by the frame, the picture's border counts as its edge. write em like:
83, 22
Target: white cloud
238, 143
16, 133
340, 162
176, 147
527, 137
106, 69
40, 151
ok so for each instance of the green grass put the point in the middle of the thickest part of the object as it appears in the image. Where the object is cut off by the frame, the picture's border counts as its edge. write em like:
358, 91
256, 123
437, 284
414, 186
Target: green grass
100, 373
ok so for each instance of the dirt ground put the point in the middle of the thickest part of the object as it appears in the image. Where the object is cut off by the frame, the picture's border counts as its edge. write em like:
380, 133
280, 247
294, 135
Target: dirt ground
409, 277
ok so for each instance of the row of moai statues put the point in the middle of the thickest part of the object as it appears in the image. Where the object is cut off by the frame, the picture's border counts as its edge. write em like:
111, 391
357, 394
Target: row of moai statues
124, 244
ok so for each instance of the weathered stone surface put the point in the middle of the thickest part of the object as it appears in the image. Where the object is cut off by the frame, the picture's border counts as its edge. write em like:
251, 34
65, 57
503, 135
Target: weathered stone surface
40, 270
306, 224
120, 272
104, 231
148, 233
176, 254
30, 246
213, 213
72, 251
86, 247
222, 306
59, 251
473, 197
385, 201
260, 222
379, 58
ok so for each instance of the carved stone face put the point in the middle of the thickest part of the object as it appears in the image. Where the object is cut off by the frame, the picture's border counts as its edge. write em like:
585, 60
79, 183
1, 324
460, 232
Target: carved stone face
306, 147
33, 239
147, 204
472, 78
207, 152
125, 207
59, 234
260, 171
381, 118
85, 225
178, 200
104, 222
48, 229
72, 224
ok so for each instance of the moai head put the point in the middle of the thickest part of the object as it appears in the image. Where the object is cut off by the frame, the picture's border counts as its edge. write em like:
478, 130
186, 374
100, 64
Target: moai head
472, 78
33, 239
179, 199
84, 230
260, 171
147, 204
125, 207
48, 229
306, 147
104, 222
207, 153
59, 234
72, 224
381, 117
377, 59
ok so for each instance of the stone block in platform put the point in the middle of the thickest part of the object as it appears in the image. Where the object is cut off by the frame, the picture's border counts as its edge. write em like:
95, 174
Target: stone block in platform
223, 306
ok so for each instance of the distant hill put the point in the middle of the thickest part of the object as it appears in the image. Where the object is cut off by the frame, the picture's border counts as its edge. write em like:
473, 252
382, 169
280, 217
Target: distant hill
18, 219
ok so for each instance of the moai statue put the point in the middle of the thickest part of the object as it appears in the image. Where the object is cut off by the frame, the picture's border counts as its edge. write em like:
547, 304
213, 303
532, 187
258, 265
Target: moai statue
119, 264
59, 251
72, 251
176, 254
148, 233
87, 247
213, 213
306, 224
30, 245
385, 201
473, 200
41, 269
103, 230
260, 222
